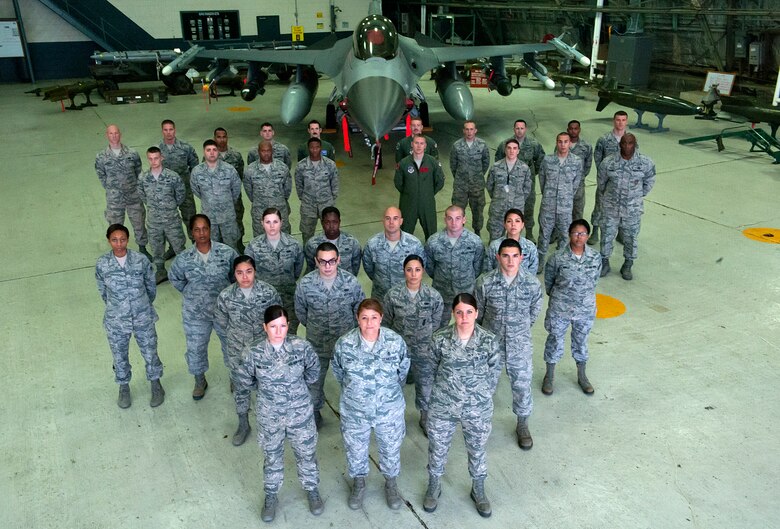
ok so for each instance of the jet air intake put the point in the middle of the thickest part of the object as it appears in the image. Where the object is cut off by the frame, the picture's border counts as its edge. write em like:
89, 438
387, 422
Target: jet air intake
453, 92
297, 100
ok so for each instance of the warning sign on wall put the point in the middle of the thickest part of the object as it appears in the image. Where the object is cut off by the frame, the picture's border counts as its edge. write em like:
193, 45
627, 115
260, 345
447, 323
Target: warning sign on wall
478, 78
297, 33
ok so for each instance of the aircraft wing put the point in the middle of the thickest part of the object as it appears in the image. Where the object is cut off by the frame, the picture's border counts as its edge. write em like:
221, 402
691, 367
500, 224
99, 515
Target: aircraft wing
460, 53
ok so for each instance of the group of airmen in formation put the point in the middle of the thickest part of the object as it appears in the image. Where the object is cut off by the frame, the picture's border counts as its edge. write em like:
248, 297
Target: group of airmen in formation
254, 297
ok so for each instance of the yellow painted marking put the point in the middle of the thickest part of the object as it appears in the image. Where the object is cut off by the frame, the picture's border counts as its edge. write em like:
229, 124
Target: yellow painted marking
339, 163
769, 235
240, 109
608, 307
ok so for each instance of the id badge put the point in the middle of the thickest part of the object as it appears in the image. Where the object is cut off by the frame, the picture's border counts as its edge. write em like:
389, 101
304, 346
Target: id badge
506, 188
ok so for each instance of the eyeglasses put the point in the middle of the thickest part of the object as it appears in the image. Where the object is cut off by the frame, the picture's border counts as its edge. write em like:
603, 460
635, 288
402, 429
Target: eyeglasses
328, 262
579, 234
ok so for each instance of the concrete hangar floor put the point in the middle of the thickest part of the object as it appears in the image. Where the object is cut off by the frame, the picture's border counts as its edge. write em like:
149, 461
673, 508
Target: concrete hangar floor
681, 432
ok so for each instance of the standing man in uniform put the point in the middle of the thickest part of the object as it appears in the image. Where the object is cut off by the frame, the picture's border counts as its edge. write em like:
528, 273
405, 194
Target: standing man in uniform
404, 146
508, 184
608, 144
560, 175
315, 131
385, 252
349, 246
418, 177
584, 150
624, 181
280, 150
118, 167
532, 154
509, 301
317, 185
469, 161
268, 184
217, 185
231, 156
326, 302
454, 259
179, 157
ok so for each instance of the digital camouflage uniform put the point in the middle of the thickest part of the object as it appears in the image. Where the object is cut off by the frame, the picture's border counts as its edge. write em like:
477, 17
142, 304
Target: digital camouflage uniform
162, 196
416, 317
404, 147
507, 189
128, 293
317, 186
328, 150
282, 379
280, 267
268, 187
180, 158
510, 310
280, 152
623, 185
532, 154
558, 181
528, 249
200, 283
468, 165
418, 187
584, 150
327, 313
384, 265
570, 283
606, 145
372, 381
218, 189
453, 268
234, 158
466, 379
118, 174
349, 251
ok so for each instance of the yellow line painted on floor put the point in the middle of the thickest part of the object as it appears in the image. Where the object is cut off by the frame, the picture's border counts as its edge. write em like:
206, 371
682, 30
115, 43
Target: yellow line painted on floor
239, 109
608, 307
768, 235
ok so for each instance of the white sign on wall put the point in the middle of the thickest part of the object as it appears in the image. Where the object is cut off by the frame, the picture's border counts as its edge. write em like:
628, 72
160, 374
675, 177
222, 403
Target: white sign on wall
10, 40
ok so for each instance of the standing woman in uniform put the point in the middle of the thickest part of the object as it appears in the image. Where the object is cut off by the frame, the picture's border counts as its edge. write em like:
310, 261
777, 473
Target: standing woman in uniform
414, 311
468, 365
279, 259
240, 310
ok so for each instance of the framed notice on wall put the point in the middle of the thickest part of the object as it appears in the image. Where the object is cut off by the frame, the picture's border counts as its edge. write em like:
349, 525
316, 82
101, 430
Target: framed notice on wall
210, 25
722, 80
10, 40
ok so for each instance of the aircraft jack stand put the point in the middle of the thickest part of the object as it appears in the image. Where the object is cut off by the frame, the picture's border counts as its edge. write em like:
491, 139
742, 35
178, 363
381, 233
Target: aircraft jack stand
564, 93
760, 140
640, 125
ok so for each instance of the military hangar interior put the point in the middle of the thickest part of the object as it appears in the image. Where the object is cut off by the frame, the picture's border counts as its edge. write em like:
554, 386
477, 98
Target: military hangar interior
682, 429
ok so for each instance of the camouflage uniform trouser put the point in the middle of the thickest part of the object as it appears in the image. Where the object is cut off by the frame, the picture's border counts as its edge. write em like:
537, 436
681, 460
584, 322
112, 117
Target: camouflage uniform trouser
470, 191
239, 207
257, 220
146, 338
446, 314
550, 224
187, 208
518, 359
197, 334
556, 326
423, 372
495, 221
310, 215
317, 389
226, 232
528, 209
389, 431
476, 423
578, 208
137, 215
595, 216
158, 232
629, 228
288, 302
300, 430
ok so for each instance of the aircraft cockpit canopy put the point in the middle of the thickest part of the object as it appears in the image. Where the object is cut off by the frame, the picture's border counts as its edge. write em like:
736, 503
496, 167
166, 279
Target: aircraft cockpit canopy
375, 36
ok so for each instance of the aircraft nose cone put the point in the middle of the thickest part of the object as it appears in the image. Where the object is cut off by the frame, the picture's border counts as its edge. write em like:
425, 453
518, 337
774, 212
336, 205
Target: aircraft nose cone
376, 104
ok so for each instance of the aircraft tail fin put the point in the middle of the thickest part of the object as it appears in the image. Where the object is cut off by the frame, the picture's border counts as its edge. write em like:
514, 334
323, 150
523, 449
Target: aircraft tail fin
602, 104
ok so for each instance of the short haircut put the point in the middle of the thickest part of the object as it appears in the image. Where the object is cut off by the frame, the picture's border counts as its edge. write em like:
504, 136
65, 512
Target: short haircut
196, 217
469, 121
521, 121
413, 257
371, 304
572, 122
512, 140
266, 124
168, 122
464, 297
509, 243
314, 140
454, 207
579, 222
219, 129
274, 312
415, 136
326, 247
208, 143
514, 211
265, 142
620, 113
330, 210
154, 149
562, 134
315, 122
272, 211
117, 227
243, 259
416, 118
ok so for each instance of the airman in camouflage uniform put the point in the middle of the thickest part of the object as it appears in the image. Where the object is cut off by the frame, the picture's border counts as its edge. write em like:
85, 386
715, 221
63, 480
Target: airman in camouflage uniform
162, 191
268, 184
624, 180
118, 167
326, 302
384, 254
508, 188
530, 261
317, 186
349, 246
315, 131
372, 377
606, 145
231, 156
217, 185
128, 291
179, 157
280, 151
404, 146
469, 161
560, 175
282, 375
453, 258
532, 154
584, 150
509, 301
200, 280
570, 279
